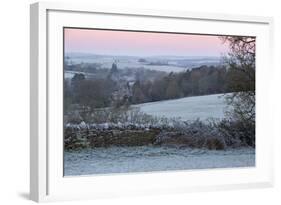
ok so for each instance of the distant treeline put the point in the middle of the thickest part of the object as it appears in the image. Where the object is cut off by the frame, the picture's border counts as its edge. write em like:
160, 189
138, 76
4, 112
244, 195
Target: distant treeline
98, 93
203, 80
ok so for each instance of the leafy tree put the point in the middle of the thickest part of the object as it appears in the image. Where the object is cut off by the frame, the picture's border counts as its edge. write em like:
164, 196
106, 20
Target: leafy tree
158, 89
67, 95
77, 79
94, 93
114, 68
138, 95
173, 90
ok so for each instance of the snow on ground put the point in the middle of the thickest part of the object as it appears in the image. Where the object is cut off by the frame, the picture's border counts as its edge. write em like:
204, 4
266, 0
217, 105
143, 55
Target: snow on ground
148, 159
189, 108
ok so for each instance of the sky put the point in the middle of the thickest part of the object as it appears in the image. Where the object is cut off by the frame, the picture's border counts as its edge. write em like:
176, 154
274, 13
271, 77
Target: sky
109, 42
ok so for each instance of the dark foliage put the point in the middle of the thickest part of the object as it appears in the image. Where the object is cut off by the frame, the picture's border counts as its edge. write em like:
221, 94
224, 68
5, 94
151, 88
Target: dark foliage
112, 88
203, 80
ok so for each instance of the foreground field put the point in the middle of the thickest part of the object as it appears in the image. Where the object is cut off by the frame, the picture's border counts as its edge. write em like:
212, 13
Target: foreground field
131, 146
147, 159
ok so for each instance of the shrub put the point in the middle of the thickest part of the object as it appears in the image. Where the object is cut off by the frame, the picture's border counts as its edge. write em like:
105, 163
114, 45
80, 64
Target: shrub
237, 133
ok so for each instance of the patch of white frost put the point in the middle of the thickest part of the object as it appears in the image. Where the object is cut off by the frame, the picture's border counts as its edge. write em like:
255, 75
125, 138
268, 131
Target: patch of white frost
148, 159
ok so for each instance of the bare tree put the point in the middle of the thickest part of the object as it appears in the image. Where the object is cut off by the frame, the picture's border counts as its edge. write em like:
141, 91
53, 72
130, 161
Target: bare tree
241, 65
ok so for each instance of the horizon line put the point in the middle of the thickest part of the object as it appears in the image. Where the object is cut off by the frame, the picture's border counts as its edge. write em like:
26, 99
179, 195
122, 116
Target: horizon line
128, 55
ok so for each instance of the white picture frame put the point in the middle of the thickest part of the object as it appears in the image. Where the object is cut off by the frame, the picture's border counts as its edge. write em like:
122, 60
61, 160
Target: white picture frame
46, 179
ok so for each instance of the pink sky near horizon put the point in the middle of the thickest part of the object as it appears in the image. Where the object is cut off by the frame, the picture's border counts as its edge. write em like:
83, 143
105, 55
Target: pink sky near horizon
111, 42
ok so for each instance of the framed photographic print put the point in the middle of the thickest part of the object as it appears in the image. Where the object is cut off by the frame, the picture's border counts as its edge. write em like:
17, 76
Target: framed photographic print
127, 102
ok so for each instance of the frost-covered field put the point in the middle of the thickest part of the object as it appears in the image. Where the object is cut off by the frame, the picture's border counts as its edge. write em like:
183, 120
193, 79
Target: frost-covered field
162, 158
173, 63
189, 108
130, 62
148, 158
